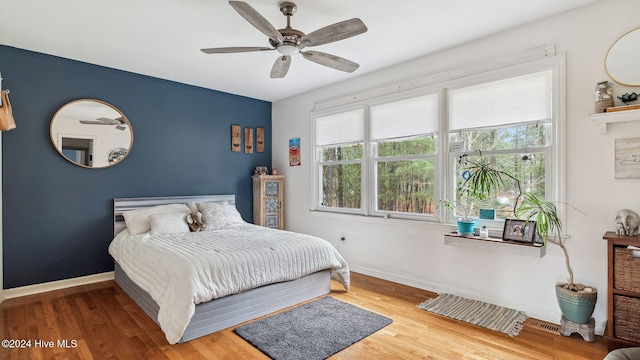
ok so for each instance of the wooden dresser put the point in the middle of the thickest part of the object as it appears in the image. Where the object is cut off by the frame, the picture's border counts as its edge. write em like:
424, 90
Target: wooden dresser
268, 201
623, 295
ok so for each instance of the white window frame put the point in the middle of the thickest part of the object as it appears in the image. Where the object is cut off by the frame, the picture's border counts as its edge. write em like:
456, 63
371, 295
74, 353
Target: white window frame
532, 61
555, 160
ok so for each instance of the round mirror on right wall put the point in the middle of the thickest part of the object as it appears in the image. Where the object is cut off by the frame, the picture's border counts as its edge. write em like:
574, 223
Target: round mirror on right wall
621, 62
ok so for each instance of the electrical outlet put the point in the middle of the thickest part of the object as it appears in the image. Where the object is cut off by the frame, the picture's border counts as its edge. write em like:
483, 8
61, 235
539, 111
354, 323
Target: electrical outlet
342, 238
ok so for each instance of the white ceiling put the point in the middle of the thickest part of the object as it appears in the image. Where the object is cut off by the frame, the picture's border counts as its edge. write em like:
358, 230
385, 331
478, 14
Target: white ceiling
163, 38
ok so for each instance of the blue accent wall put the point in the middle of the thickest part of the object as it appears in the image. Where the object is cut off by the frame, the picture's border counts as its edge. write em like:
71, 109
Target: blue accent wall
58, 216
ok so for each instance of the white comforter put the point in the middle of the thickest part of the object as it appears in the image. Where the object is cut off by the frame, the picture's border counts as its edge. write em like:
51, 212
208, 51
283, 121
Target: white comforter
182, 270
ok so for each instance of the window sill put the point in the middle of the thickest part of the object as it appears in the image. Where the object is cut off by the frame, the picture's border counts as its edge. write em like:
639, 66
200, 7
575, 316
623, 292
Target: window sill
495, 244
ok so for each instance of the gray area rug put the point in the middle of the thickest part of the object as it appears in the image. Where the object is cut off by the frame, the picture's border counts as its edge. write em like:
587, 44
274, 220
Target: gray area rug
315, 330
494, 317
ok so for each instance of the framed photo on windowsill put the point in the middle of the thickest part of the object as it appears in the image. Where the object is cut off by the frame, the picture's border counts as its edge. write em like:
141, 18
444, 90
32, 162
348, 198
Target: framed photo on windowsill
519, 230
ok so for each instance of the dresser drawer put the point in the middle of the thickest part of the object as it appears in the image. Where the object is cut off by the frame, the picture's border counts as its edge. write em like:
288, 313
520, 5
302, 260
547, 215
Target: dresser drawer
626, 315
626, 270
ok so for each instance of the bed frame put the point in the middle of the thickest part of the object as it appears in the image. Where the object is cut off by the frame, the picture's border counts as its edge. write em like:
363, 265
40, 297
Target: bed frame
231, 310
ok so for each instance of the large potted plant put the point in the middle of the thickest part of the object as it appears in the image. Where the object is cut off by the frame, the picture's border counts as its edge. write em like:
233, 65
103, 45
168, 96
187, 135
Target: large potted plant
576, 301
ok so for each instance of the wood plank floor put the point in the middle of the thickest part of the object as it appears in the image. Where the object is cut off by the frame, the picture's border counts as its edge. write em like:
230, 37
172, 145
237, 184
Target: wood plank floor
100, 321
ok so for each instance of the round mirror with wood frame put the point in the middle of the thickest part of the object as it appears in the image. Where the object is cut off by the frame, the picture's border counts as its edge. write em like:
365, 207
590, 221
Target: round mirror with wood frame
621, 62
88, 133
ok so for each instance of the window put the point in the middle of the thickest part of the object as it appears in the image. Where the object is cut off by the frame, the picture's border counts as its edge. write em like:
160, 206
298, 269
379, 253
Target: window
386, 155
513, 132
403, 154
340, 149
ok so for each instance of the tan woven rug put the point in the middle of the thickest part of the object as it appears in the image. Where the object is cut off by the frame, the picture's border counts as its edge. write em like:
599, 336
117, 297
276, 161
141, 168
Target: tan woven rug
493, 317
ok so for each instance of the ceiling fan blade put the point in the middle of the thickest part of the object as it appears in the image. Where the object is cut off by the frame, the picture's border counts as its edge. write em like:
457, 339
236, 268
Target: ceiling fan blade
255, 19
281, 67
108, 121
338, 31
331, 61
227, 50
94, 122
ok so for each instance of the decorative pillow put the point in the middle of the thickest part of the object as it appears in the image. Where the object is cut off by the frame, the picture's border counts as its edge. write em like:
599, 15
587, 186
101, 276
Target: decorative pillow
234, 215
215, 215
138, 220
168, 223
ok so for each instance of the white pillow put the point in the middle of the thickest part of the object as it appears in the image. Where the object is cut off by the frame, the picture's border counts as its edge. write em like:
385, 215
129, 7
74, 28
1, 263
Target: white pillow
215, 215
234, 215
168, 223
138, 220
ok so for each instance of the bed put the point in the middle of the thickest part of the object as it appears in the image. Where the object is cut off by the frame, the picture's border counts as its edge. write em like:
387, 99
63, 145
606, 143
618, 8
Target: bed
196, 283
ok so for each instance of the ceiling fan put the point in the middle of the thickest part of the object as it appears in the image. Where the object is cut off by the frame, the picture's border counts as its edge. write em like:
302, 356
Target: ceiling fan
289, 41
118, 122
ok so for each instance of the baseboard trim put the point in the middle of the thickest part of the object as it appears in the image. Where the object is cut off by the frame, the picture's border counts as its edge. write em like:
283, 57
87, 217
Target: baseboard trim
56, 285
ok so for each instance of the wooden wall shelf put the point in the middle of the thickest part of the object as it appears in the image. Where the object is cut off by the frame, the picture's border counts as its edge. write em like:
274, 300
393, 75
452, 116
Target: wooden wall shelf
603, 119
495, 244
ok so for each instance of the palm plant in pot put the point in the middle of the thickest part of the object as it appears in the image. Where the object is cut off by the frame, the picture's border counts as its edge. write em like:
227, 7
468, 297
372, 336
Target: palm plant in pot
483, 178
576, 301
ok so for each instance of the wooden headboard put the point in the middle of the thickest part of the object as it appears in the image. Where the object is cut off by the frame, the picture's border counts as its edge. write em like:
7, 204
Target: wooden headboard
124, 204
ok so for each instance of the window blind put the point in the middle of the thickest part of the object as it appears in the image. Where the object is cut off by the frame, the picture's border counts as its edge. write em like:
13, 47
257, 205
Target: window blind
414, 116
519, 99
342, 128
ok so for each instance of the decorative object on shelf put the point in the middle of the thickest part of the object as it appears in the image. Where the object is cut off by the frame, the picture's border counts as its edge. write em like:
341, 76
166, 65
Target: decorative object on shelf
260, 170
519, 230
260, 139
627, 158
621, 61
248, 140
274, 171
484, 232
487, 214
604, 96
7, 122
626, 98
294, 152
627, 222
235, 138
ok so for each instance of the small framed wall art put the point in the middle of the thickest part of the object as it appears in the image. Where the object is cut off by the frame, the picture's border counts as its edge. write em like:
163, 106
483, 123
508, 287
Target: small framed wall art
235, 138
259, 139
627, 158
294, 152
248, 140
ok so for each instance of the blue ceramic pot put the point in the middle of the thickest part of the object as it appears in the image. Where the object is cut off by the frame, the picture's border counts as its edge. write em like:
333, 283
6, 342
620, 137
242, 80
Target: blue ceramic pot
576, 307
465, 228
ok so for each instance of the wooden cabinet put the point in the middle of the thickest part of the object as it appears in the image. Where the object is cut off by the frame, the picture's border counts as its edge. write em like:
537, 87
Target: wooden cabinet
268, 201
623, 296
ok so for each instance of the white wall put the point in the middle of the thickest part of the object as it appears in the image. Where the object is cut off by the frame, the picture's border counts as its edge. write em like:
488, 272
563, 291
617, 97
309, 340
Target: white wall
414, 253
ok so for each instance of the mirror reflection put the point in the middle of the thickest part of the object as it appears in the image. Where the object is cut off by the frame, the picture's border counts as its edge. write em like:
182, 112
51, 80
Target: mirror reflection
91, 133
621, 62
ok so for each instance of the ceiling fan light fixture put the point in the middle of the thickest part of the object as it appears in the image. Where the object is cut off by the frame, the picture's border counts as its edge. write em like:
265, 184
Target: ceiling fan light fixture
285, 49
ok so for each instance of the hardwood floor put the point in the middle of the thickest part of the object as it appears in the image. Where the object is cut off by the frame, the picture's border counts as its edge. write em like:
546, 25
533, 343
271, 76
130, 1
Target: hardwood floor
100, 321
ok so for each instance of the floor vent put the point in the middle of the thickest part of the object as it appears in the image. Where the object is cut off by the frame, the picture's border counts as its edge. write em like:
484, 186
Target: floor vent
542, 325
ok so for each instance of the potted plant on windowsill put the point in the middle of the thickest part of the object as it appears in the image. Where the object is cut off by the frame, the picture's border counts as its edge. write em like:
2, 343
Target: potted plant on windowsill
481, 178
576, 301
466, 223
